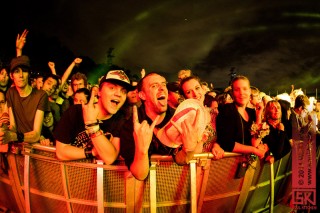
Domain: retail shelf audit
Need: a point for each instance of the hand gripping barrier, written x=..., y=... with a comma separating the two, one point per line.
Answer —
x=37, y=182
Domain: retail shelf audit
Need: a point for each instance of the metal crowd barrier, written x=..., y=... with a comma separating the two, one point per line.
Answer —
x=38, y=182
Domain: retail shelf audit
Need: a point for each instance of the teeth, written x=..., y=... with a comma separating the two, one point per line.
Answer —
x=115, y=101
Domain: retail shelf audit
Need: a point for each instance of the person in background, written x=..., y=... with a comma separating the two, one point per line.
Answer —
x=255, y=98
x=235, y=119
x=78, y=80
x=278, y=139
x=81, y=96
x=4, y=124
x=174, y=98
x=184, y=73
x=190, y=88
x=4, y=79
x=26, y=105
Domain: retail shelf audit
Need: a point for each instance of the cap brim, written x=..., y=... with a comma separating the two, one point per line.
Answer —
x=127, y=86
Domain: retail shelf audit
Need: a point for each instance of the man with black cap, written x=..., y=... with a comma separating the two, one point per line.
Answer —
x=92, y=130
x=26, y=105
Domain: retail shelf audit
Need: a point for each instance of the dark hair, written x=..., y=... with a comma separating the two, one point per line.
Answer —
x=285, y=106
x=208, y=99
x=301, y=101
x=79, y=76
x=55, y=77
x=184, y=80
x=85, y=91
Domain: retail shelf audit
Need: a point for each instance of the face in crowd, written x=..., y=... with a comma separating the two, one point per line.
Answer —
x=154, y=93
x=214, y=107
x=241, y=91
x=4, y=78
x=2, y=102
x=192, y=89
x=80, y=98
x=50, y=86
x=77, y=84
x=20, y=77
x=112, y=97
x=273, y=110
x=39, y=82
x=133, y=97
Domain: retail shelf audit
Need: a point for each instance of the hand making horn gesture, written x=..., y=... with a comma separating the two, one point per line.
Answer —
x=90, y=111
x=142, y=132
x=189, y=133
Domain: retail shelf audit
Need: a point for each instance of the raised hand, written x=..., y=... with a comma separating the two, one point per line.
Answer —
x=142, y=132
x=90, y=111
x=21, y=40
x=189, y=134
x=143, y=73
x=77, y=60
x=51, y=65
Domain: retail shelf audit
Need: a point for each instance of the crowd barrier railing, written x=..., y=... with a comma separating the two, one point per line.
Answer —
x=38, y=182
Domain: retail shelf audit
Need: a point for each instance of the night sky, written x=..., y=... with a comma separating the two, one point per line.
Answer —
x=274, y=43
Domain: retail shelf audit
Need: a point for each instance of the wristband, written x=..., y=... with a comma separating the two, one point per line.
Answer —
x=93, y=129
x=20, y=137
x=96, y=134
x=88, y=153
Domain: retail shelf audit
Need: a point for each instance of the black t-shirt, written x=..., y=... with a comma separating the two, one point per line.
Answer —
x=71, y=128
x=231, y=127
x=127, y=145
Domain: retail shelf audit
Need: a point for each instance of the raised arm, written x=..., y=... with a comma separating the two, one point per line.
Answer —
x=52, y=67
x=20, y=42
x=68, y=71
x=142, y=134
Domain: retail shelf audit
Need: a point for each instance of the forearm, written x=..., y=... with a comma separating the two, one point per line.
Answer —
x=18, y=52
x=67, y=73
x=68, y=152
x=106, y=149
x=29, y=137
x=140, y=166
x=241, y=148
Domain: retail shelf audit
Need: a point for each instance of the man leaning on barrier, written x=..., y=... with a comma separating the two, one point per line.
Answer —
x=151, y=116
x=92, y=130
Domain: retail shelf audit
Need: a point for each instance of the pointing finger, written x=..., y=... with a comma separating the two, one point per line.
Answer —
x=135, y=118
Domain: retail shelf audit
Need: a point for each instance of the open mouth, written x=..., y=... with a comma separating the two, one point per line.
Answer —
x=115, y=102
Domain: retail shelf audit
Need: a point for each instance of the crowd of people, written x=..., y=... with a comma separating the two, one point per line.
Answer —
x=135, y=118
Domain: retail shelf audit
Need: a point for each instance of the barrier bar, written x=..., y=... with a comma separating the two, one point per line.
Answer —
x=100, y=187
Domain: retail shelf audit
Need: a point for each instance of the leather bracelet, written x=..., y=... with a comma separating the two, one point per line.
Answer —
x=96, y=134
x=88, y=153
